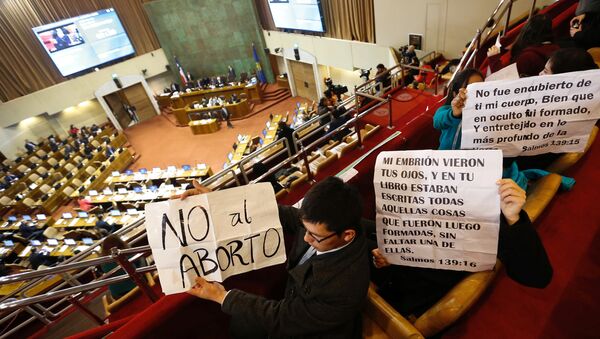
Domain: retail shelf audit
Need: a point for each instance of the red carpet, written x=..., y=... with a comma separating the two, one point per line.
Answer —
x=403, y=102
x=569, y=306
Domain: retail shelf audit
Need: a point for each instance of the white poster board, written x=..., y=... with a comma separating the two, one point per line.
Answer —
x=534, y=115
x=214, y=235
x=438, y=209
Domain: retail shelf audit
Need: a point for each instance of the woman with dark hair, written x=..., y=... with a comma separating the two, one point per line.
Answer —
x=562, y=61
x=119, y=289
x=448, y=119
x=569, y=60
x=531, y=49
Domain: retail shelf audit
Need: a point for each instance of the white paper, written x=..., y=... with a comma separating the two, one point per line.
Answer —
x=528, y=117
x=438, y=209
x=509, y=72
x=242, y=220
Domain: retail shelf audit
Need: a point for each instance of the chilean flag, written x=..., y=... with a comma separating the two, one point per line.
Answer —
x=181, y=73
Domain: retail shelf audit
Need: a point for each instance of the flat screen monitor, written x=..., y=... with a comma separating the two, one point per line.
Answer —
x=143, y=170
x=40, y=216
x=9, y=243
x=36, y=243
x=93, y=193
x=115, y=213
x=12, y=218
x=129, y=172
x=186, y=167
x=67, y=216
x=304, y=15
x=27, y=217
x=87, y=241
x=137, y=189
x=80, y=44
x=132, y=211
x=82, y=214
x=52, y=242
x=69, y=242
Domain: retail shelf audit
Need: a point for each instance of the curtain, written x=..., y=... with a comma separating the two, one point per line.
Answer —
x=349, y=19
x=24, y=65
x=264, y=14
x=344, y=19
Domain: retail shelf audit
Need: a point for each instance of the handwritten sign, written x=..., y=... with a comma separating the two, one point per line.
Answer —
x=535, y=115
x=214, y=235
x=438, y=209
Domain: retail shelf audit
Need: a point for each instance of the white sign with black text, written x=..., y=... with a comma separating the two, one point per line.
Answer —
x=214, y=235
x=534, y=115
x=438, y=209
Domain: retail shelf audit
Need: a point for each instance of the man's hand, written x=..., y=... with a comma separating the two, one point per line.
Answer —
x=512, y=200
x=378, y=259
x=459, y=102
x=198, y=189
x=208, y=290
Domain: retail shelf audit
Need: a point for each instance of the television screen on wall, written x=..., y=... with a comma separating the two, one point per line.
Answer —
x=83, y=43
x=305, y=15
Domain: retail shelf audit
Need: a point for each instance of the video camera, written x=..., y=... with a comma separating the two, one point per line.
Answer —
x=364, y=74
x=338, y=90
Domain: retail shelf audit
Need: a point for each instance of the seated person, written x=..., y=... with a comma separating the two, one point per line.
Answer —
x=73, y=131
x=519, y=249
x=40, y=258
x=30, y=146
x=338, y=120
x=448, y=120
x=562, y=61
x=327, y=267
x=381, y=78
x=109, y=151
x=29, y=231
x=325, y=106
x=586, y=25
x=9, y=178
x=104, y=227
x=53, y=144
x=119, y=289
x=531, y=49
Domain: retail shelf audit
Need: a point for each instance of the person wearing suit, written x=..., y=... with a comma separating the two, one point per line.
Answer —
x=30, y=146
x=328, y=273
x=109, y=152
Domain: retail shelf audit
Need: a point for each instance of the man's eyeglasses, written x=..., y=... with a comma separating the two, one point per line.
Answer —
x=317, y=239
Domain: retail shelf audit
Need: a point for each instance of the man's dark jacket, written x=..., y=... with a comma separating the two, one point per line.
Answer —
x=323, y=298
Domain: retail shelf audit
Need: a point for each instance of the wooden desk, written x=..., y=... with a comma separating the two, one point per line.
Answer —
x=283, y=82
x=240, y=150
x=90, y=221
x=253, y=93
x=200, y=171
x=132, y=196
x=204, y=126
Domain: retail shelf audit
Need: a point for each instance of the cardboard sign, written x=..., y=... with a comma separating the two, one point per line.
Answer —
x=214, y=235
x=438, y=209
x=530, y=116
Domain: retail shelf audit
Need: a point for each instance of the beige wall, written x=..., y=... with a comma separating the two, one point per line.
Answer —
x=39, y=127
x=446, y=25
x=70, y=93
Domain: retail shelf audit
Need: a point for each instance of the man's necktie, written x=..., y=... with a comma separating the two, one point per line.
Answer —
x=307, y=255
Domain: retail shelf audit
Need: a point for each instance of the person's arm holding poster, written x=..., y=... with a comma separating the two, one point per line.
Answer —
x=519, y=246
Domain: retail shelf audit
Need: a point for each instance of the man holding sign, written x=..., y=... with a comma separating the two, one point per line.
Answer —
x=328, y=272
x=438, y=215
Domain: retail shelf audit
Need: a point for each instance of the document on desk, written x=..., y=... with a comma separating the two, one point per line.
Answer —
x=63, y=248
x=73, y=222
x=25, y=252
